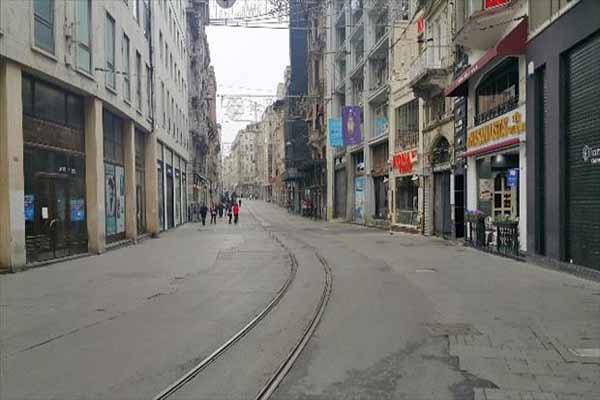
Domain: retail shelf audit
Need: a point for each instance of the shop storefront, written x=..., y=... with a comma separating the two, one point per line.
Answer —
x=340, y=188
x=563, y=134
x=442, y=211
x=495, y=158
x=140, y=181
x=358, y=214
x=380, y=176
x=114, y=177
x=406, y=205
x=54, y=171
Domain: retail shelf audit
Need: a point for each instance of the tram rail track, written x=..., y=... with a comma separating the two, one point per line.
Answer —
x=271, y=385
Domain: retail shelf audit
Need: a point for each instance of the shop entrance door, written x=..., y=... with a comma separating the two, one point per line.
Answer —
x=170, y=188
x=52, y=222
x=442, y=220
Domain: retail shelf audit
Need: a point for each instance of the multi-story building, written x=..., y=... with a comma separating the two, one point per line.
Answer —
x=491, y=76
x=204, y=130
x=405, y=149
x=243, y=171
x=358, y=79
x=563, y=131
x=78, y=148
x=315, y=187
x=170, y=95
x=95, y=130
x=428, y=75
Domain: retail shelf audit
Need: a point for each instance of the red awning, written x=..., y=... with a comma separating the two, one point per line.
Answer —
x=512, y=44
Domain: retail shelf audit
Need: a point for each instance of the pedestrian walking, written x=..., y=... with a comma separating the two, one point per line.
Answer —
x=240, y=202
x=229, y=213
x=220, y=210
x=203, y=212
x=236, y=213
x=213, y=215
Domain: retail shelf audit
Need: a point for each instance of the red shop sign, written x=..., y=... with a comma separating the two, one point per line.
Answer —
x=495, y=3
x=404, y=161
x=420, y=25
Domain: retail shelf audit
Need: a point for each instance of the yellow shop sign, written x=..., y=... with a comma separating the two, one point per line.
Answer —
x=496, y=130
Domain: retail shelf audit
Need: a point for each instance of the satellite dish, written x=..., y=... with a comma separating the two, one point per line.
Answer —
x=226, y=3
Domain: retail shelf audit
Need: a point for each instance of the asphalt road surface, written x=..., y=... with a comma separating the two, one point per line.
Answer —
x=408, y=317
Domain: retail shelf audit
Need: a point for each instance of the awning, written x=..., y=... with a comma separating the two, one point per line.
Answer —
x=512, y=44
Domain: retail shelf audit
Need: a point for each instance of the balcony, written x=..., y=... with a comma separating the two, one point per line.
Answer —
x=509, y=105
x=480, y=24
x=429, y=75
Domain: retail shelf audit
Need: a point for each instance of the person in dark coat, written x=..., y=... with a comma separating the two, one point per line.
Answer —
x=213, y=214
x=203, y=212
x=229, y=213
x=220, y=210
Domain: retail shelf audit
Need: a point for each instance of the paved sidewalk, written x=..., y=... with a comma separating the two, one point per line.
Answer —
x=127, y=323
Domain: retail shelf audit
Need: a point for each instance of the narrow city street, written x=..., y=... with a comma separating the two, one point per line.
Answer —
x=408, y=317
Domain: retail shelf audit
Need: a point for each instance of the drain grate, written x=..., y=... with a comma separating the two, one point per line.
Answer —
x=439, y=329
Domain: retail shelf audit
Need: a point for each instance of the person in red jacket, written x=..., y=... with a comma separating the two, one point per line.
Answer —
x=236, y=212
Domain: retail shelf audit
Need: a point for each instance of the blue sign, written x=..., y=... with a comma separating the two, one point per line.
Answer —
x=512, y=179
x=334, y=127
x=29, y=207
x=77, y=210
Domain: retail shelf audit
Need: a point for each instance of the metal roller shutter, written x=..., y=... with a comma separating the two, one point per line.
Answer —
x=583, y=153
x=340, y=193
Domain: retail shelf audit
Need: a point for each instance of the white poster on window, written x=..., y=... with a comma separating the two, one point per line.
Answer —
x=120, y=180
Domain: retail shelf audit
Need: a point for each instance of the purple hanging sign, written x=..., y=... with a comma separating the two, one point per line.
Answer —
x=351, y=125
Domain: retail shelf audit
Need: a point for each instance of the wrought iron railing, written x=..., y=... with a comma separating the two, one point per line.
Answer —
x=501, y=238
x=406, y=140
x=500, y=109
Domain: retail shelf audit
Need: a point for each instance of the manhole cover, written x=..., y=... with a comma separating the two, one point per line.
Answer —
x=438, y=329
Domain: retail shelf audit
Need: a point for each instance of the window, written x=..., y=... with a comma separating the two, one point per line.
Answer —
x=146, y=19
x=49, y=103
x=407, y=125
x=43, y=11
x=138, y=85
x=126, y=69
x=166, y=55
x=160, y=44
x=162, y=104
x=498, y=92
x=136, y=10
x=435, y=109
x=149, y=91
x=109, y=49
x=84, y=22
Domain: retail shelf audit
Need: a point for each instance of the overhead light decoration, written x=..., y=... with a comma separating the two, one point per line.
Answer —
x=226, y=3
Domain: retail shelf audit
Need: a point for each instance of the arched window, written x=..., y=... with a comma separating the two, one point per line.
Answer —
x=440, y=153
x=498, y=92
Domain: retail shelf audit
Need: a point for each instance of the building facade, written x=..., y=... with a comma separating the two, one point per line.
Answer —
x=170, y=46
x=358, y=79
x=77, y=132
x=493, y=82
x=94, y=117
x=563, y=132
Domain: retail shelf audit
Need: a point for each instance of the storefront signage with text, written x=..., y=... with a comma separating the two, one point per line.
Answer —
x=404, y=161
x=510, y=125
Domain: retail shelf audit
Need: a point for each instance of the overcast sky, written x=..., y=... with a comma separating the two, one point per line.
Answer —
x=246, y=61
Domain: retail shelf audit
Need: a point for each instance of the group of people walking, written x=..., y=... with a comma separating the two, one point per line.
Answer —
x=231, y=209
